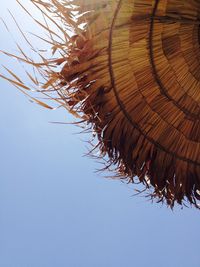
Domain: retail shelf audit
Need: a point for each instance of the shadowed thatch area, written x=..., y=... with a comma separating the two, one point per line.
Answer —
x=129, y=68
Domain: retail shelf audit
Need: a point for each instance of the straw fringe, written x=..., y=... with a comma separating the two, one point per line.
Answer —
x=128, y=71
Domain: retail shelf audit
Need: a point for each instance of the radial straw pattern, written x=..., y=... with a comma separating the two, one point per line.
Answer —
x=131, y=68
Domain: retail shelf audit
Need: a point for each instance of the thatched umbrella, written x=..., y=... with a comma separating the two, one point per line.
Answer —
x=131, y=68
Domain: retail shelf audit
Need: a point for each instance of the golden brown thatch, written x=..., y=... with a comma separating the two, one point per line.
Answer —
x=132, y=69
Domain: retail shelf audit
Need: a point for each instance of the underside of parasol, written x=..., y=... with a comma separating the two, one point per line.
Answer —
x=131, y=69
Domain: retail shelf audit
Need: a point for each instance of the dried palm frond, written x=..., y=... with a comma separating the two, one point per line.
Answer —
x=131, y=69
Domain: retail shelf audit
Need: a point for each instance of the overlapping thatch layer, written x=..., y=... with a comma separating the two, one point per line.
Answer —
x=132, y=68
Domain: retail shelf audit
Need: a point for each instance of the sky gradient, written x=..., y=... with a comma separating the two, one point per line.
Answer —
x=56, y=211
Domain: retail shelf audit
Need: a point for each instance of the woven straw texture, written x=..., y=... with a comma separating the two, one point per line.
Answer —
x=133, y=69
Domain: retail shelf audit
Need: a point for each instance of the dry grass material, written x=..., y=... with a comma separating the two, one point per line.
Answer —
x=131, y=69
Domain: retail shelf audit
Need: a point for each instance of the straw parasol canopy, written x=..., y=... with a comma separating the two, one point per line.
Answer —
x=131, y=69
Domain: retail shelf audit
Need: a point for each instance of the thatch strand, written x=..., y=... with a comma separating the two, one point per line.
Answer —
x=130, y=68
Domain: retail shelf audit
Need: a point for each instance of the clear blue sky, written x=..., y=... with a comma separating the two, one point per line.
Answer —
x=56, y=211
